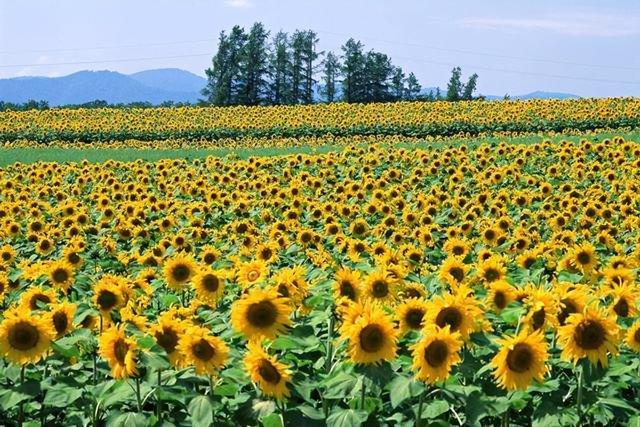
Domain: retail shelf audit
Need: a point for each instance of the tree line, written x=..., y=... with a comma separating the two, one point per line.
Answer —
x=252, y=68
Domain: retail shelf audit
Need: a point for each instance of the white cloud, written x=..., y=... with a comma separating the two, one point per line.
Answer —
x=238, y=3
x=580, y=25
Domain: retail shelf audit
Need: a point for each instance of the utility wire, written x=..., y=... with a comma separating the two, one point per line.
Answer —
x=77, y=49
x=149, y=58
x=494, y=55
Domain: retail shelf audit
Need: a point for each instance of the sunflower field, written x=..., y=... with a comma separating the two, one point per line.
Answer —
x=377, y=284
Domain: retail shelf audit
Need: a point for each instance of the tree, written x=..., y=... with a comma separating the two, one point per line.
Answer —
x=377, y=74
x=353, y=64
x=309, y=56
x=397, y=84
x=413, y=88
x=470, y=87
x=252, y=83
x=455, y=87
x=280, y=87
x=222, y=77
x=331, y=68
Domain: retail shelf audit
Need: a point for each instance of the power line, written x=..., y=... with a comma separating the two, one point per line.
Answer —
x=528, y=73
x=76, y=49
x=494, y=55
x=149, y=58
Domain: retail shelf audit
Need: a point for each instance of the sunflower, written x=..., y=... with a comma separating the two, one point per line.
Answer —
x=36, y=297
x=167, y=332
x=588, y=334
x=372, y=338
x=205, y=352
x=60, y=274
x=632, y=337
x=500, y=294
x=61, y=317
x=623, y=300
x=209, y=255
x=520, y=360
x=491, y=270
x=458, y=311
x=107, y=295
x=380, y=286
x=542, y=307
x=252, y=273
x=453, y=271
x=209, y=285
x=347, y=284
x=119, y=351
x=410, y=314
x=457, y=247
x=178, y=271
x=271, y=375
x=24, y=338
x=436, y=353
x=572, y=297
x=583, y=257
x=261, y=313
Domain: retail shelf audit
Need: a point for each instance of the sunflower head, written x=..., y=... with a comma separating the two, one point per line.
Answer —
x=119, y=351
x=520, y=360
x=252, y=273
x=209, y=285
x=178, y=271
x=261, y=313
x=436, y=353
x=24, y=338
x=372, y=337
x=410, y=314
x=205, y=352
x=267, y=372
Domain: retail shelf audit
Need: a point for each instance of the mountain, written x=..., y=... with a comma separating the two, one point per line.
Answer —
x=538, y=95
x=153, y=86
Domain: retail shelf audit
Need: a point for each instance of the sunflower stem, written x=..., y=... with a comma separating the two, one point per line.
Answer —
x=95, y=368
x=419, y=414
x=580, y=386
x=138, y=399
x=329, y=359
x=283, y=411
x=505, y=418
x=21, y=407
x=211, y=386
x=362, y=393
x=158, y=401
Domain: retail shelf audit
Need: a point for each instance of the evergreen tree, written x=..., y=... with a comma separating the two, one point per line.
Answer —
x=397, y=84
x=331, y=68
x=470, y=87
x=309, y=58
x=413, y=88
x=353, y=64
x=455, y=87
x=377, y=74
x=252, y=83
x=222, y=86
x=280, y=87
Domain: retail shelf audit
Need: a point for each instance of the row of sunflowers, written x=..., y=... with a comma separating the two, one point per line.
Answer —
x=420, y=119
x=463, y=285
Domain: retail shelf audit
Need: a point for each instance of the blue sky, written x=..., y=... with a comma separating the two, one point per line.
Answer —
x=586, y=47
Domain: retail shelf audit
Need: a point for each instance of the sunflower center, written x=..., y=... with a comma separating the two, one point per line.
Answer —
x=253, y=275
x=181, y=272
x=589, y=335
x=209, y=258
x=449, y=316
x=500, y=300
x=371, y=338
x=621, y=308
x=380, y=289
x=73, y=258
x=457, y=273
x=538, y=318
x=60, y=322
x=636, y=336
x=458, y=250
x=268, y=372
x=60, y=275
x=436, y=353
x=107, y=300
x=120, y=349
x=491, y=274
x=267, y=253
x=23, y=336
x=167, y=339
x=347, y=290
x=211, y=282
x=414, y=318
x=569, y=307
x=583, y=258
x=283, y=290
x=412, y=293
x=520, y=358
x=262, y=314
x=203, y=350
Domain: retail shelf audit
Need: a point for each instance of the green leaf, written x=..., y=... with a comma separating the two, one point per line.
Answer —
x=341, y=384
x=346, y=418
x=402, y=388
x=155, y=360
x=61, y=397
x=272, y=420
x=616, y=403
x=435, y=409
x=565, y=276
x=23, y=392
x=228, y=389
x=475, y=408
x=311, y=412
x=201, y=411
x=128, y=419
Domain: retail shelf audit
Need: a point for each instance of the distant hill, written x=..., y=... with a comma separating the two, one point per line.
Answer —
x=153, y=86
